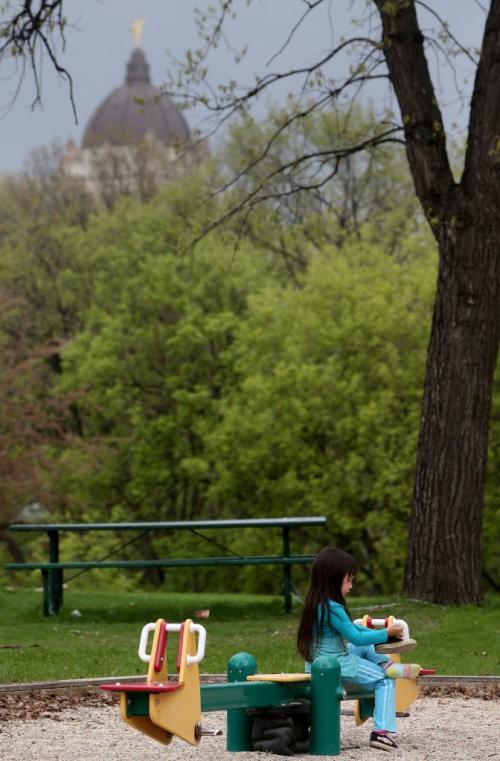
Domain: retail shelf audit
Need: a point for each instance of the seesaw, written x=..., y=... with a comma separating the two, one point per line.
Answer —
x=163, y=708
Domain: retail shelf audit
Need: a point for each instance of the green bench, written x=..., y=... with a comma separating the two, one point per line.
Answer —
x=53, y=569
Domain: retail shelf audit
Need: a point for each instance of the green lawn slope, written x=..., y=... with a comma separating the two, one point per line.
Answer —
x=103, y=640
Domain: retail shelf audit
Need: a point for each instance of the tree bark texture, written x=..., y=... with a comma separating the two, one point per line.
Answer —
x=444, y=544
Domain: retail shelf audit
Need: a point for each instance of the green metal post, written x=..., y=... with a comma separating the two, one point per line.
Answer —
x=366, y=707
x=46, y=592
x=326, y=693
x=239, y=723
x=287, y=570
x=55, y=581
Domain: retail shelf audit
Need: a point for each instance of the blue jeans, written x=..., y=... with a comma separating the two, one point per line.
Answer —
x=372, y=677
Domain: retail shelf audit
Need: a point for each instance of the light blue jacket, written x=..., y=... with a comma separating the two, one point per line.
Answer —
x=337, y=631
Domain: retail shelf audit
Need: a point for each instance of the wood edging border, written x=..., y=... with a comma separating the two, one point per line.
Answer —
x=85, y=684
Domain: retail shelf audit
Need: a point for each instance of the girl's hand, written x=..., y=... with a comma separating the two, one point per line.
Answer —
x=395, y=630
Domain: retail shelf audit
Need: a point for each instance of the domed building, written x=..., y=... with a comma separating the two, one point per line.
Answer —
x=134, y=110
x=135, y=141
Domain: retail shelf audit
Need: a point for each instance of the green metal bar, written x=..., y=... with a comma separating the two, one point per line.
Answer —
x=46, y=593
x=235, y=695
x=316, y=520
x=165, y=563
x=287, y=571
x=137, y=704
x=359, y=695
x=239, y=723
x=326, y=694
x=366, y=707
x=355, y=692
x=55, y=586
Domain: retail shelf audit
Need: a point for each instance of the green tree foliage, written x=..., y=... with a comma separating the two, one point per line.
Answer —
x=207, y=388
x=323, y=417
x=152, y=362
x=31, y=423
x=142, y=383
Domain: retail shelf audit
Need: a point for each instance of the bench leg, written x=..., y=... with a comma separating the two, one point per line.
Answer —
x=55, y=587
x=326, y=692
x=46, y=593
x=287, y=571
x=52, y=582
x=287, y=587
x=239, y=723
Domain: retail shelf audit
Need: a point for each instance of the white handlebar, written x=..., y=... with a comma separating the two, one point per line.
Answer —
x=202, y=638
x=379, y=623
x=143, y=642
x=198, y=628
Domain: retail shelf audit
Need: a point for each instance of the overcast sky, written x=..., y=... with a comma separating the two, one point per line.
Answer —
x=99, y=43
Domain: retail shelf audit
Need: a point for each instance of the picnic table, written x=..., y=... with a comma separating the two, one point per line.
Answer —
x=53, y=569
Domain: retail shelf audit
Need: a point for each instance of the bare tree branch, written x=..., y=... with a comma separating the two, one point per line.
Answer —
x=216, y=32
x=233, y=104
x=310, y=7
x=422, y=119
x=259, y=195
x=446, y=28
x=483, y=147
x=28, y=35
x=288, y=122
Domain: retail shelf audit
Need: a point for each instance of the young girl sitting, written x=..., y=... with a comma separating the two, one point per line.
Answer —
x=326, y=629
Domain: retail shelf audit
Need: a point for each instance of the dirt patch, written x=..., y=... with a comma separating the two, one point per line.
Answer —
x=482, y=691
x=36, y=705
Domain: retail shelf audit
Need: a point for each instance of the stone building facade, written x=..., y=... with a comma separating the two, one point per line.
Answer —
x=135, y=141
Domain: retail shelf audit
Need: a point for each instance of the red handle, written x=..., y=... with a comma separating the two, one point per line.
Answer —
x=160, y=650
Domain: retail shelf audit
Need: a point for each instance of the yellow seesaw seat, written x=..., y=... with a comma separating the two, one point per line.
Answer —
x=174, y=706
x=299, y=677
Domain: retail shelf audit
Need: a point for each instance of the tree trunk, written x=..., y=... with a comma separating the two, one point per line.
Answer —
x=12, y=546
x=444, y=546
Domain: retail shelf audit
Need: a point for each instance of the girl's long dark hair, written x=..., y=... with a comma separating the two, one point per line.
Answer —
x=328, y=571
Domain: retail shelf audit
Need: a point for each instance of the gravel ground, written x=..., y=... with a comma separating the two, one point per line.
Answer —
x=439, y=728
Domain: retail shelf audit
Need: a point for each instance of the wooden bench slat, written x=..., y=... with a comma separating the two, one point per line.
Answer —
x=163, y=563
x=292, y=522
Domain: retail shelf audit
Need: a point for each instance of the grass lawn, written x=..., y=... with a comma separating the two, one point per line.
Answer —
x=104, y=640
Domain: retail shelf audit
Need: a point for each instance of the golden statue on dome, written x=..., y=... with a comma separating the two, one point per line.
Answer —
x=136, y=28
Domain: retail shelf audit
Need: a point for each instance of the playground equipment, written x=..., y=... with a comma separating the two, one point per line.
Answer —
x=162, y=708
x=406, y=645
x=173, y=707
x=383, y=623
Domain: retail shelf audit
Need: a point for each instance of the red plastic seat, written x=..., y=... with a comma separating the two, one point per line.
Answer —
x=142, y=686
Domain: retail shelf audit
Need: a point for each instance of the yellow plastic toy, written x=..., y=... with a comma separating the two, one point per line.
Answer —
x=280, y=678
x=174, y=706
